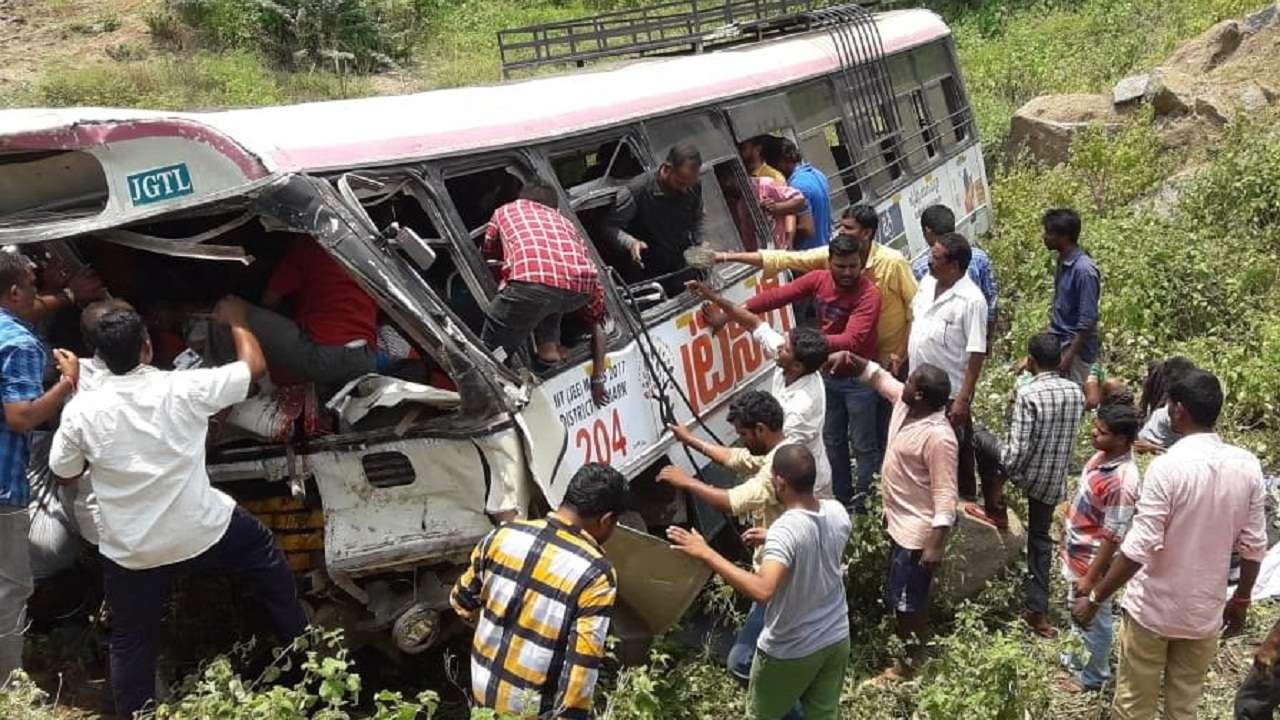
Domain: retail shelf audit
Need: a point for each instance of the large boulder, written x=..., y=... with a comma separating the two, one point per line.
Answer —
x=1046, y=125
x=1172, y=93
x=977, y=552
x=1208, y=51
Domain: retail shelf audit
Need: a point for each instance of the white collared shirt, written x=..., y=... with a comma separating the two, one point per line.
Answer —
x=804, y=408
x=945, y=329
x=144, y=435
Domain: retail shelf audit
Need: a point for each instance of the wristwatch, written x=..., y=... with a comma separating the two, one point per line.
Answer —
x=1093, y=598
x=69, y=295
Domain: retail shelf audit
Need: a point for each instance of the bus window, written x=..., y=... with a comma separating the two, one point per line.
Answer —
x=845, y=189
x=443, y=275
x=476, y=195
x=697, y=129
x=813, y=105
x=729, y=224
x=883, y=165
x=956, y=108
x=919, y=139
x=591, y=176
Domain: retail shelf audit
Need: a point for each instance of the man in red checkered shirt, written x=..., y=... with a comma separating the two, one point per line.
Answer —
x=546, y=273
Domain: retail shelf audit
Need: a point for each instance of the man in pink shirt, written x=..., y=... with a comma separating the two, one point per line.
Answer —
x=918, y=482
x=1200, y=501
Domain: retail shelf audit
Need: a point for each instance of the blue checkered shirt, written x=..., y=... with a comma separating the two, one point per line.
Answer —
x=22, y=359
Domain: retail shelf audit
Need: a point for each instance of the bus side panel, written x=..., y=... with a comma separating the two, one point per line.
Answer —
x=628, y=432
x=960, y=183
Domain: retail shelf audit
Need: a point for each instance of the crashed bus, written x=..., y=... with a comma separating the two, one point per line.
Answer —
x=379, y=492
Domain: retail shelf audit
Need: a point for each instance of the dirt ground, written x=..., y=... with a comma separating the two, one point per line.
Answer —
x=36, y=34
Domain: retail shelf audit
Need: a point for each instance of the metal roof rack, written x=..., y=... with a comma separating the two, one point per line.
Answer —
x=668, y=28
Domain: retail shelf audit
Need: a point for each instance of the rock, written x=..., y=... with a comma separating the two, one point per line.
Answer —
x=1215, y=108
x=1163, y=202
x=1172, y=93
x=1264, y=18
x=1130, y=89
x=1255, y=98
x=1207, y=51
x=977, y=552
x=1046, y=125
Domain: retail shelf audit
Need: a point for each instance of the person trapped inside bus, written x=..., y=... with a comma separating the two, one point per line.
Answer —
x=546, y=273
x=1094, y=527
x=143, y=431
x=657, y=216
x=811, y=183
x=1201, y=501
x=918, y=483
x=27, y=405
x=786, y=209
x=332, y=336
x=751, y=151
x=1035, y=456
x=540, y=595
x=803, y=649
x=938, y=221
x=1077, y=285
x=848, y=306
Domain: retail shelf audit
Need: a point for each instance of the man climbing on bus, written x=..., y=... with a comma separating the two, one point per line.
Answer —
x=546, y=273
x=657, y=216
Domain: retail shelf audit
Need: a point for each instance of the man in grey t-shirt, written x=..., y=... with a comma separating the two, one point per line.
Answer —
x=804, y=649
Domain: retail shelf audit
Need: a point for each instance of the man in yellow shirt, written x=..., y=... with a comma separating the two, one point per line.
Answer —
x=751, y=151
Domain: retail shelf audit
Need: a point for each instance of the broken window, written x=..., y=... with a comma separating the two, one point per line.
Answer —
x=477, y=195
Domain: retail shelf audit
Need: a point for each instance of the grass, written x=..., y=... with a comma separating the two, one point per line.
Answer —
x=195, y=82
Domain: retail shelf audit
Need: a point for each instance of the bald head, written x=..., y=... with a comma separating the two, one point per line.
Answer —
x=93, y=314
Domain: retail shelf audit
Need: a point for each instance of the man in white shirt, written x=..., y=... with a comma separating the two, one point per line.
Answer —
x=797, y=381
x=143, y=431
x=949, y=331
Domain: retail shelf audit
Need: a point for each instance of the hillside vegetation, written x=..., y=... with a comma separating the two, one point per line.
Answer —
x=1199, y=279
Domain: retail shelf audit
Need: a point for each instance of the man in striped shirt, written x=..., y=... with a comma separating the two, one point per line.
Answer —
x=540, y=594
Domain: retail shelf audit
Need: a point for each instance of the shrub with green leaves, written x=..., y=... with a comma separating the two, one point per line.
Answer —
x=344, y=35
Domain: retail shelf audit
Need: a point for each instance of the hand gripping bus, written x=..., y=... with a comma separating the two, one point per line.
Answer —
x=378, y=494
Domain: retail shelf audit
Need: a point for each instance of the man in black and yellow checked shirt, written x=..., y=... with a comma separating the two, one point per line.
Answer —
x=540, y=594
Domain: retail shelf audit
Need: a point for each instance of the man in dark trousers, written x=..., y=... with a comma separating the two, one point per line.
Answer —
x=1077, y=284
x=143, y=431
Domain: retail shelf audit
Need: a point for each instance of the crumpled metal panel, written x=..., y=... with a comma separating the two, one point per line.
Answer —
x=437, y=518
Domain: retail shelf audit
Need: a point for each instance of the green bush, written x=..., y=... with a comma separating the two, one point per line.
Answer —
x=345, y=35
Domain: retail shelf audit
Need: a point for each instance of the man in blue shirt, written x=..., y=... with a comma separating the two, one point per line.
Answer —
x=26, y=406
x=938, y=220
x=1077, y=285
x=811, y=183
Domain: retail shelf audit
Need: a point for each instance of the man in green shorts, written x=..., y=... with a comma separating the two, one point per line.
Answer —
x=804, y=649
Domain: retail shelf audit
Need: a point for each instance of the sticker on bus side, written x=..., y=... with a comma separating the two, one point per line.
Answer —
x=160, y=184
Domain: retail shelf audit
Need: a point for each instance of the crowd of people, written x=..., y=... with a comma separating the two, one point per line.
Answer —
x=872, y=395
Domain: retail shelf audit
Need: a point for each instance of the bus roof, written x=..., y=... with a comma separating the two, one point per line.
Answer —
x=384, y=130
